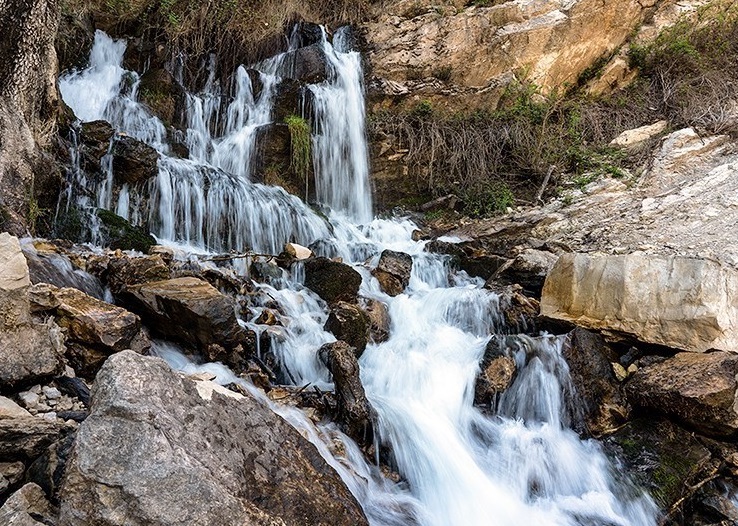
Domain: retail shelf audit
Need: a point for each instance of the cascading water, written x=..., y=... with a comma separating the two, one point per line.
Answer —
x=522, y=465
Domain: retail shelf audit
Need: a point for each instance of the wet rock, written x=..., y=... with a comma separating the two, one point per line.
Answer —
x=354, y=410
x=393, y=271
x=379, y=320
x=307, y=64
x=678, y=302
x=133, y=161
x=163, y=95
x=126, y=271
x=528, y=269
x=28, y=507
x=291, y=97
x=497, y=371
x=331, y=280
x=263, y=271
x=589, y=357
x=303, y=34
x=187, y=310
x=94, y=143
x=233, y=457
x=518, y=311
x=658, y=456
x=117, y=233
x=349, y=322
x=697, y=389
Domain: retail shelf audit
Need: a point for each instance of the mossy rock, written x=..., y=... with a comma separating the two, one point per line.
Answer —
x=658, y=456
x=117, y=233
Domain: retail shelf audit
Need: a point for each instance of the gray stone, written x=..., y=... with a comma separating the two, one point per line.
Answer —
x=14, y=283
x=160, y=452
x=30, y=353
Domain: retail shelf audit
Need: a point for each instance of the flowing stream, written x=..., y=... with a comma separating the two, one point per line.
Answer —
x=519, y=463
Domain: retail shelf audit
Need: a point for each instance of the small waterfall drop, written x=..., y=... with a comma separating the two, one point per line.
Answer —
x=460, y=467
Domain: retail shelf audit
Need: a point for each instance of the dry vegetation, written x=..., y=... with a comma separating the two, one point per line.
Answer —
x=492, y=159
x=239, y=31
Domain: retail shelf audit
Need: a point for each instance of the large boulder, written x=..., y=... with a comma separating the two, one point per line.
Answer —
x=133, y=160
x=589, y=358
x=677, y=302
x=125, y=271
x=94, y=329
x=29, y=351
x=189, y=310
x=118, y=233
x=698, y=389
x=331, y=280
x=307, y=64
x=172, y=451
x=26, y=438
x=393, y=271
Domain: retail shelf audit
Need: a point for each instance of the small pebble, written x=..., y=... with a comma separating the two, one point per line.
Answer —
x=29, y=399
x=51, y=416
x=52, y=393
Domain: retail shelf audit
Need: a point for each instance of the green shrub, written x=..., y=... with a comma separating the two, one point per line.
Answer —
x=300, y=147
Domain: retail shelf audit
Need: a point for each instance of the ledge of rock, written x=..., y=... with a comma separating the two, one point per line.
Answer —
x=188, y=310
x=698, y=389
x=159, y=452
x=678, y=302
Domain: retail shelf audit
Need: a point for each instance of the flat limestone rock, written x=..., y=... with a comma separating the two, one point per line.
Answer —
x=685, y=303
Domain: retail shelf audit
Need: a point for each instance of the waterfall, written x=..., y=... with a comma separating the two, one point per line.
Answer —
x=460, y=466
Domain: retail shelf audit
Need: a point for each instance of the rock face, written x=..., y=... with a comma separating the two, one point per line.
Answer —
x=425, y=48
x=331, y=280
x=188, y=310
x=698, y=389
x=677, y=302
x=393, y=271
x=28, y=103
x=589, y=358
x=29, y=351
x=170, y=451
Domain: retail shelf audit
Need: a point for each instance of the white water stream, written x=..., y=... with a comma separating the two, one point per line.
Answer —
x=521, y=466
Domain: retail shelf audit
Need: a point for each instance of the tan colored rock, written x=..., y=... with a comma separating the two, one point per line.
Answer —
x=553, y=41
x=393, y=271
x=678, y=302
x=297, y=251
x=29, y=354
x=9, y=409
x=14, y=283
x=698, y=389
x=615, y=75
x=25, y=506
x=630, y=138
